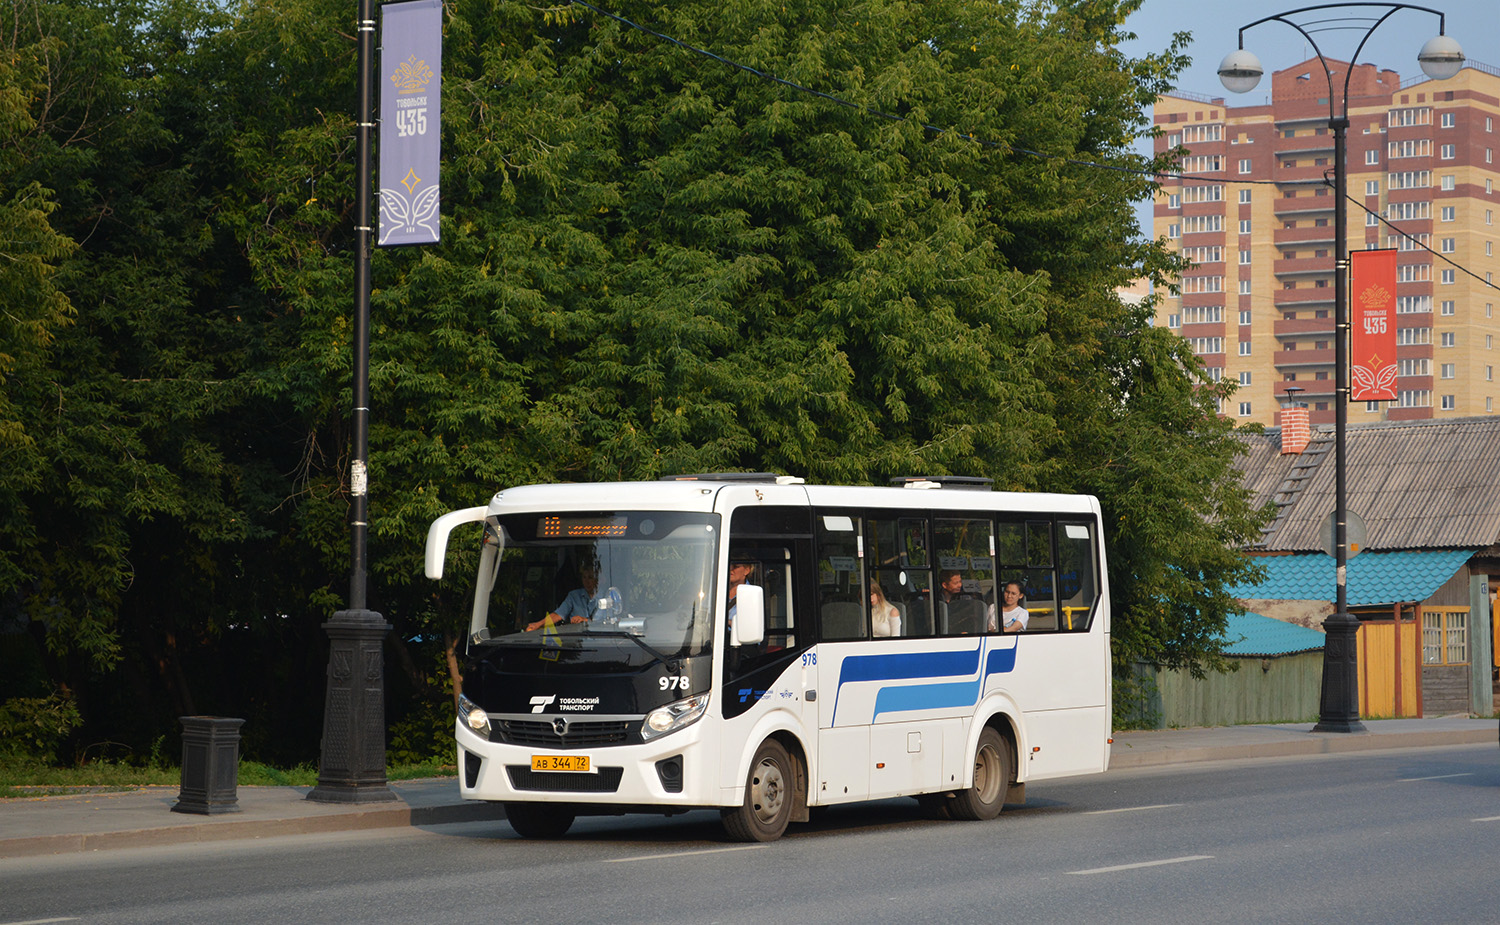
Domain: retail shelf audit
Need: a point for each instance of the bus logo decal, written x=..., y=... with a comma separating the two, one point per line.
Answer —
x=540, y=701
x=926, y=697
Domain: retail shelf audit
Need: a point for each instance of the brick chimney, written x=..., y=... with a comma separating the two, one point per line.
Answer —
x=1296, y=432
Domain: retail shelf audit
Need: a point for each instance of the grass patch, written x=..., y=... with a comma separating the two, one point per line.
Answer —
x=20, y=778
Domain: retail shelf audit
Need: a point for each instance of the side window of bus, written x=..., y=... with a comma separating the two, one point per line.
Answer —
x=966, y=575
x=841, y=593
x=1024, y=550
x=1078, y=585
x=896, y=556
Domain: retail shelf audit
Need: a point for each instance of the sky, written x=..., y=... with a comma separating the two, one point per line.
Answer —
x=1215, y=24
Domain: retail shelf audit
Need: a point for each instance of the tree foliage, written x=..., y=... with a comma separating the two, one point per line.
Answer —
x=653, y=260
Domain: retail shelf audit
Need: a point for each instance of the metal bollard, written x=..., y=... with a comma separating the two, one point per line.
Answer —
x=210, y=765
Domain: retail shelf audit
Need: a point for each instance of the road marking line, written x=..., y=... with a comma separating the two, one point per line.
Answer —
x=680, y=854
x=1407, y=780
x=1488, y=819
x=42, y=921
x=1128, y=809
x=1110, y=870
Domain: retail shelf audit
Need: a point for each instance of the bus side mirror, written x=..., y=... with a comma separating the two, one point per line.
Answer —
x=437, y=536
x=749, y=616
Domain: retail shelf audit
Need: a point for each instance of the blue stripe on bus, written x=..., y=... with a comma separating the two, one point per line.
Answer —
x=926, y=697
x=907, y=665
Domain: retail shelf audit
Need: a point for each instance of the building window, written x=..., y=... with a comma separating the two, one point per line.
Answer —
x=1447, y=181
x=1489, y=155
x=1372, y=156
x=1489, y=216
x=1371, y=219
x=1489, y=248
x=1174, y=321
x=1244, y=287
x=1244, y=226
x=1447, y=245
x=1244, y=195
x=1244, y=409
x=1489, y=374
x=1447, y=370
x=1448, y=403
x=1174, y=231
x=1245, y=378
x=1245, y=165
x=1244, y=348
x=1448, y=277
x=1447, y=306
x=1447, y=213
x=1447, y=120
x=1372, y=187
x=1372, y=406
x=1447, y=338
x=1174, y=200
x=1244, y=258
x=1320, y=377
x=1445, y=636
x=1446, y=152
x=1244, y=316
x=1414, y=398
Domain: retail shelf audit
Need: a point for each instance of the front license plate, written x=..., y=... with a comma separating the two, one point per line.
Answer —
x=571, y=763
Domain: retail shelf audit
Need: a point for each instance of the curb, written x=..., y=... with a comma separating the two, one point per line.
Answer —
x=1314, y=744
x=183, y=833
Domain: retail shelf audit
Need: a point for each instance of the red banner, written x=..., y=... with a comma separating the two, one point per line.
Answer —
x=1372, y=325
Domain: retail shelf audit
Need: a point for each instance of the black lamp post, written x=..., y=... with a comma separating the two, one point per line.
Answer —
x=351, y=763
x=1441, y=58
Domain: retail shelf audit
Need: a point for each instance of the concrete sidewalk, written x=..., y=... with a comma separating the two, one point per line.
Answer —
x=31, y=827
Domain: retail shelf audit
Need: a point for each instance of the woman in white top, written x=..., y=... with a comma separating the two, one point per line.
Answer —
x=885, y=619
x=1013, y=616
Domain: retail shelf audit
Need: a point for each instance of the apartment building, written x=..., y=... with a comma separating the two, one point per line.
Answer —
x=1254, y=211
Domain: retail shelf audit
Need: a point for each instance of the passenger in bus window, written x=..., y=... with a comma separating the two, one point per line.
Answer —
x=578, y=606
x=951, y=586
x=1013, y=616
x=885, y=619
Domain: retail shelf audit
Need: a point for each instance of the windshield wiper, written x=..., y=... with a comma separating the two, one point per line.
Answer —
x=671, y=663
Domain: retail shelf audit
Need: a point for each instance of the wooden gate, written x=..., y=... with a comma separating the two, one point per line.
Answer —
x=1390, y=667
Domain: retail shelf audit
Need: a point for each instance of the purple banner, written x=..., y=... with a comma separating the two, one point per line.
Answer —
x=411, y=64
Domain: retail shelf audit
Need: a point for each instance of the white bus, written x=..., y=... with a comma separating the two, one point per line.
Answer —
x=725, y=654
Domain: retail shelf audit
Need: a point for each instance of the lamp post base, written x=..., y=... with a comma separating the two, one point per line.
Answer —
x=351, y=768
x=1338, y=708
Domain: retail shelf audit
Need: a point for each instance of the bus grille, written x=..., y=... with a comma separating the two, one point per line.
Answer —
x=580, y=735
x=605, y=780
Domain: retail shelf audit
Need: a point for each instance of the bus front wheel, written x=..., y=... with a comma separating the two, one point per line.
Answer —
x=539, y=820
x=992, y=776
x=770, y=792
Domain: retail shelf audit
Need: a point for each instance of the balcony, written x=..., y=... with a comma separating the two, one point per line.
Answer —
x=1302, y=297
x=1312, y=389
x=1299, y=205
x=1303, y=266
x=1304, y=145
x=1303, y=327
x=1291, y=359
x=1308, y=235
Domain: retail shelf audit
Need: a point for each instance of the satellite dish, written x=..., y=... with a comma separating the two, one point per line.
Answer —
x=1354, y=535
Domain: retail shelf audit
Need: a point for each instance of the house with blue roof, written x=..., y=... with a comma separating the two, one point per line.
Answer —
x=1423, y=581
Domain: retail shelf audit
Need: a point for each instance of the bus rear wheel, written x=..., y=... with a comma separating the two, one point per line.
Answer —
x=539, y=820
x=770, y=792
x=992, y=777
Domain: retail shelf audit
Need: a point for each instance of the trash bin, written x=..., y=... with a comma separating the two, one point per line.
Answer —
x=210, y=765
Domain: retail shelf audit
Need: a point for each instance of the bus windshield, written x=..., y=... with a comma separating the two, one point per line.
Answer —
x=641, y=574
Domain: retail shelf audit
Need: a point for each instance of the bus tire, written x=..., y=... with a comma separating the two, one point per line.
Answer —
x=992, y=776
x=539, y=820
x=770, y=792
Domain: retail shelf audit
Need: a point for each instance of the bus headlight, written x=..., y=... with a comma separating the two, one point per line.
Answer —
x=470, y=715
x=673, y=717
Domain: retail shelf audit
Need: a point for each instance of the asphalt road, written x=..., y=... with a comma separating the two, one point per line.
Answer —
x=1409, y=835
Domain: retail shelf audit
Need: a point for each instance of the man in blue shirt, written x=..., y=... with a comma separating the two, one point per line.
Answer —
x=578, y=606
